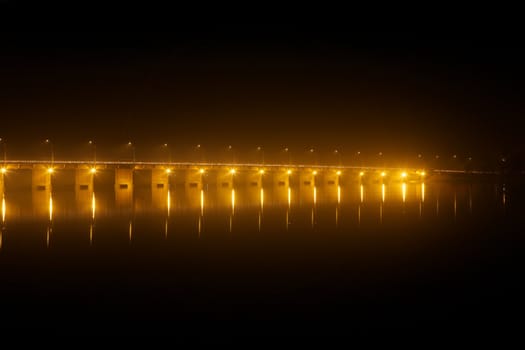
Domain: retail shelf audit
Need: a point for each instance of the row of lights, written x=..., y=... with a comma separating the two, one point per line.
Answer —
x=259, y=148
x=314, y=172
x=233, y=171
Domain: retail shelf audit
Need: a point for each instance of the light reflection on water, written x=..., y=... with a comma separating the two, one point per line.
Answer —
x=342, y=208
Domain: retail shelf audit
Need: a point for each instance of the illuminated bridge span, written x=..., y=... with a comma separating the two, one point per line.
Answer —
x=162, y=175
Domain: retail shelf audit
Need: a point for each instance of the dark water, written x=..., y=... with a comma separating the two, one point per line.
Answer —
x=300, y=262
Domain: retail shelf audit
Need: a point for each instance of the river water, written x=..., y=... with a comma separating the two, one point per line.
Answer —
x=302, y=261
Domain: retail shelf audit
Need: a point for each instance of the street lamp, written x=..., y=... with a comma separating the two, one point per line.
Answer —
x=4, y=149
x=132, y=146
x=94, y=146
x=259, y=149
x=289, y=155
x=358, y=157
x=230, y=150
x=48, y=142
x=168, y=149
x=338, y=154
x=198, y=150
x=314, y=155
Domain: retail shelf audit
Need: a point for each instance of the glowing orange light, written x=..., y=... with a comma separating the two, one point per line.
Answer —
x=261, y=171
x=289, y=172
x=403, y=174
x=202, y=202
x=50, y=170
x=362, y=173
x=232, y=171
x=201, y=171
x=314, y=172
x=93, y=203
x=50, y=208
x=168, y=202
x=93, y=170
x=3, y=209
x=3, y=170
x=383, y=174
x=168, y=171
x=338, y=172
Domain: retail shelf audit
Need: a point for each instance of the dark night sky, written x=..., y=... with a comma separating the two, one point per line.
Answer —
x=273, y=85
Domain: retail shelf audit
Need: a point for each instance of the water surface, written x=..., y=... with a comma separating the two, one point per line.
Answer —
x=303, y=260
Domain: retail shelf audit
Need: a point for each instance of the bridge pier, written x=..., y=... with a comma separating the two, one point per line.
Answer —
x=226, y=179
x=193, y=178
x=123, y=179
x=2, y=184
x=160, y=186
x=328, y=178
x=84, y=180
x=307, y=178
x=281, y=178
x=160, y=179
x=123, y=187
x=253, y=178
x=41, y=178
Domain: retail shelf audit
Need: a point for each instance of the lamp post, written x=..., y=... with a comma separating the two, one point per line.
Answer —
x=287, y=151
x=94, y=147
x=314, y=155
x=168, y=149
x=198, y=150
x=230, y=150
x=4, y=150
x=261, y=150
x=338, y=154
x=132, y=146
x=48, y=142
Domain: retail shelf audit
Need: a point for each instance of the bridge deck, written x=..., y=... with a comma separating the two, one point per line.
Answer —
x=73, y=164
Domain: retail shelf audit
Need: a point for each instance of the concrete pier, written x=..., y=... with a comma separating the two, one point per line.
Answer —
x=123, y=186
x=194, y=178
x=328, y=178
x=2, y=184
x=123, y=179
x=226, y=179
x=41, y=178
x=160, y=186
x=308, y=178
x=160, y=179
x=84, y=180
x=253, y=178
x=280, y=178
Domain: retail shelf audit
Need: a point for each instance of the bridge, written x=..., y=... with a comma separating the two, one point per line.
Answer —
x=198, y=174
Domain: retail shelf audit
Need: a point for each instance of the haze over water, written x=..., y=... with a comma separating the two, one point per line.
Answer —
x=276, y=260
